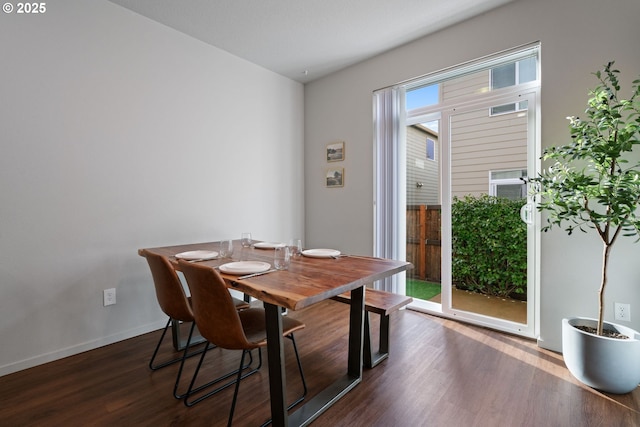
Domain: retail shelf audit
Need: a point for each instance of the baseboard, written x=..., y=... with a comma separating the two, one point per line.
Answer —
x=550, y=345
x=80, y=348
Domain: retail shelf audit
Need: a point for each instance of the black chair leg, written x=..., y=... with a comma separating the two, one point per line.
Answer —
x=177, y=359
x=304, y=383
x=240, y=372
x=184, y=357
x=235, y=393
x=155, y=352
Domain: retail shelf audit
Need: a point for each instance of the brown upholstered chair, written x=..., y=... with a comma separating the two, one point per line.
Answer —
x=221, y=324
x=175, y=304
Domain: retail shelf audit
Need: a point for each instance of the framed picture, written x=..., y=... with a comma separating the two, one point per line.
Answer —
x=335, y=177
x=335, y=152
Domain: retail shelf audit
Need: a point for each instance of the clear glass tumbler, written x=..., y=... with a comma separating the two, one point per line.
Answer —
x=282, y=258
x=245, y=240
x=295, y=246
x=226, y=248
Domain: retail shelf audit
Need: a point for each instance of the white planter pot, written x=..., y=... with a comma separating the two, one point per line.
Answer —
x=607, y=364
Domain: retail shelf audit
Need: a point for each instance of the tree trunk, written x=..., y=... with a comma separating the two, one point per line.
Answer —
x=603, y=283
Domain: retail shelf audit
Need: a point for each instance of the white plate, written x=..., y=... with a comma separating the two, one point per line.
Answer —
x=321, y=253
x=203, y=255
x=268, y=245
x=245, y=267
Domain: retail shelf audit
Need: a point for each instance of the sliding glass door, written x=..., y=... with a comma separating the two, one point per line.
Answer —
x=465, y=143
x=489, y=239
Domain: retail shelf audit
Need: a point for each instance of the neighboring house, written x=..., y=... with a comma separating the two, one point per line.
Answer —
x=489, y=149
x=488, y=154
x=423, y=166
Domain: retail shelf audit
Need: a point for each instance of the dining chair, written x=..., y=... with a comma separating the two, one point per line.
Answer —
x=227, y=328
x=174, y=303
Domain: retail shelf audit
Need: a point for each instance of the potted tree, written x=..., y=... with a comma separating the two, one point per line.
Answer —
x=593, y=184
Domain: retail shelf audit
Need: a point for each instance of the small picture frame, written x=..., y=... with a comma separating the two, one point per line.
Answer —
x=335, y=152
x=335, y=177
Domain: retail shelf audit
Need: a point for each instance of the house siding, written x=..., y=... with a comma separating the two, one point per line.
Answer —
x=420, y=169
x=483, y=143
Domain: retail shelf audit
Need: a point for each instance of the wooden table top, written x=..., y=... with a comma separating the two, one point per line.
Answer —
x=306, y=282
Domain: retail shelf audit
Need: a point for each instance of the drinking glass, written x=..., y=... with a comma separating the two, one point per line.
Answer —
x=226, y=248
x=295, y=246
x=282, y=258
x=245, y=240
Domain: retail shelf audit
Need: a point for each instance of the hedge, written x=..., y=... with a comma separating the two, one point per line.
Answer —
x=489, y=246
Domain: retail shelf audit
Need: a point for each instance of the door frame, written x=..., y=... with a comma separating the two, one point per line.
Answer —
x=390, y=121
x=530, y=329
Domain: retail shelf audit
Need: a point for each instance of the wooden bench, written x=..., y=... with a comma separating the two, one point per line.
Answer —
x=382, y=303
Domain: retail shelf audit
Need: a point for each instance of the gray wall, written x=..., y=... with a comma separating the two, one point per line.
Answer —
x=119, y=133
x=578, y=37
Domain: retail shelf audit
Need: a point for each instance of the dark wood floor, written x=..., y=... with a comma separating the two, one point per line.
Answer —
x=440, y=373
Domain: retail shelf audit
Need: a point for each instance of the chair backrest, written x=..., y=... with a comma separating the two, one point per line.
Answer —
x=215, y=313
x=169, y=291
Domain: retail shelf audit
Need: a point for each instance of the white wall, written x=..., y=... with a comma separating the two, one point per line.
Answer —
x=578, y=37
x=119, y=133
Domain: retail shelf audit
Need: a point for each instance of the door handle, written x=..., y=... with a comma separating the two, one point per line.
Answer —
x=526, y=213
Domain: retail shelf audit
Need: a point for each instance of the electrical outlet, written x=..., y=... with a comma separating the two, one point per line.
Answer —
x=622, y=311
x=109, y=296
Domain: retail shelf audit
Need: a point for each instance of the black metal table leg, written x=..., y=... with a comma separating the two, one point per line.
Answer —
x=314, y=407
x=275, y=352
x=356, y=331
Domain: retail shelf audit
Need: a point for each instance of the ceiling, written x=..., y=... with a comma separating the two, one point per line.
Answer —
x=307, y=39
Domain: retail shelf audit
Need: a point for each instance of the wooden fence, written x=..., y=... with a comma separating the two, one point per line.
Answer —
x=423, y=242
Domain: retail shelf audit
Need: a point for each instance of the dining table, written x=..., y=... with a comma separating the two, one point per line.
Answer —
x=307, y=281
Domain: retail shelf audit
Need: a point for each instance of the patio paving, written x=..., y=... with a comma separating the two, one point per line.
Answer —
x=502, y=308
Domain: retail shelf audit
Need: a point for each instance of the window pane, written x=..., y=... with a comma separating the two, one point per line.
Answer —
x=422, y=97
x=527, y=70
x=513, y=192
x=431, y=149
x=508, y=108
x=503, y=76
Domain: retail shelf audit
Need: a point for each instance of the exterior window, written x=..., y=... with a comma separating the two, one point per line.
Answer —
x=508, y=184
x=431, y=149
x=423, y=96
x=512, y=74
